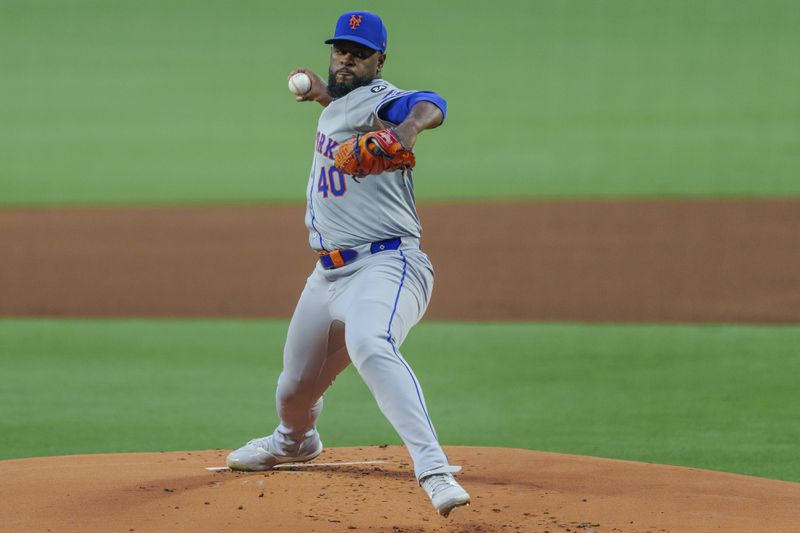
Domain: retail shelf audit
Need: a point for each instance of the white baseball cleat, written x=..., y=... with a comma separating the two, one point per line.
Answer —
x=444, y=491
x=263, y=454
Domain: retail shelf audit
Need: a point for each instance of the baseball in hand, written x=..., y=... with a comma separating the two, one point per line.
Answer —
x=300, y=83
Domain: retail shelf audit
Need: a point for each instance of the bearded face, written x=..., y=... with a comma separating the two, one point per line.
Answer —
x=341, y=85
x=352, y=65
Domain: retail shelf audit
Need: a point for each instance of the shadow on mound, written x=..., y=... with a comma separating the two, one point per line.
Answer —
x=513, y=490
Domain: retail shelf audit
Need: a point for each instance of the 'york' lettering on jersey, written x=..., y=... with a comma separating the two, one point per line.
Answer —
x=322, y=148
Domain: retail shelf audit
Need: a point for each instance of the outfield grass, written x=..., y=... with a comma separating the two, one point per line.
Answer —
x=149, y=101
x=719, y=397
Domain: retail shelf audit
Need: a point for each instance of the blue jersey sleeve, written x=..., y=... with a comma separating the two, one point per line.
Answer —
x=397, y=109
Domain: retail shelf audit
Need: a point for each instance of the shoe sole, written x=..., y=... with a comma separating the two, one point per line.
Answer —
x=445, y=510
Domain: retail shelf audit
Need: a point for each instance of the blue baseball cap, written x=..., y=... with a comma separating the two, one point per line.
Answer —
x=361, y=27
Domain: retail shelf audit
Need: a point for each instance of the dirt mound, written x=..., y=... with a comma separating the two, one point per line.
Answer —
x=512, y=490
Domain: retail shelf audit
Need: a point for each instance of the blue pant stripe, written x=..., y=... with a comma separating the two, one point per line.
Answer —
x=399, y=357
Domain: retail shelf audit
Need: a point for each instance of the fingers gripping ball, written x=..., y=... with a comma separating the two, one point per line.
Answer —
x=300, y=84
x=374, y=153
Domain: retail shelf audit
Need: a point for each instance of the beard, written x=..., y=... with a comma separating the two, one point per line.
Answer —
x=341, y=88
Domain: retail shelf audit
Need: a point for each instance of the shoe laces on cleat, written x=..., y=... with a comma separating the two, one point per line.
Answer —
x=438, y=482
x=260, y=442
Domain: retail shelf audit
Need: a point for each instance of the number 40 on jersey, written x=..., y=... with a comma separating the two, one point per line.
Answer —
x=331, y=180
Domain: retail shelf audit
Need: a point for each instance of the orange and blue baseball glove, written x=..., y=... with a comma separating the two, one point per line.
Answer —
x=374, y=153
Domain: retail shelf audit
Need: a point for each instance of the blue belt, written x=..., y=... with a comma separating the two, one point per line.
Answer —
x=339, y=258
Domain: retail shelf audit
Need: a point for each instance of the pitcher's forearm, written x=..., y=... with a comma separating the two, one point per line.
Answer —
x=423, y=116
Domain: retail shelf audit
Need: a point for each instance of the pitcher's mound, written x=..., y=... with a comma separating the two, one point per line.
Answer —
x=512, y=490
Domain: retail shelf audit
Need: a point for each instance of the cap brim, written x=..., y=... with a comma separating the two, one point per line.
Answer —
x=355, y=39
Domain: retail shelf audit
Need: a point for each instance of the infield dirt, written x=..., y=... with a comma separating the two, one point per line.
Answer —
x=512, y=490
x=607, y=261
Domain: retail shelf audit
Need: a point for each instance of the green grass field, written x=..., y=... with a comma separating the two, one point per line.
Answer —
x=708, y=396
x=173, y=102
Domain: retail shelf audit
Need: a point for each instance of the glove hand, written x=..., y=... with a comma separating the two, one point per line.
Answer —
x=374, y=153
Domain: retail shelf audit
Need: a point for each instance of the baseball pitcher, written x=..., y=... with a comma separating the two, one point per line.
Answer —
x=371, y=283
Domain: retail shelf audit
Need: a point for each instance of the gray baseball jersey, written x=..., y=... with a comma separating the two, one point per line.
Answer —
x=343, y=211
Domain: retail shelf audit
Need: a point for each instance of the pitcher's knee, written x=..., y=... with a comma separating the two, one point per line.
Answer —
x=365, y=347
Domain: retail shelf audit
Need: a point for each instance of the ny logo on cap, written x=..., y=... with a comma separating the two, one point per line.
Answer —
x=355, y=22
